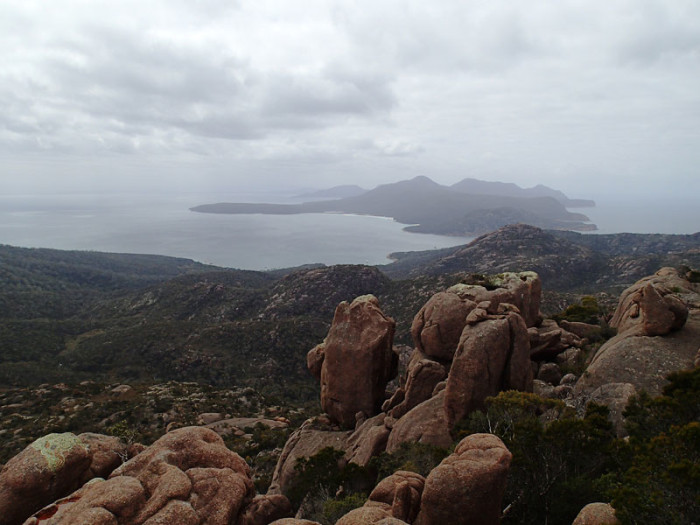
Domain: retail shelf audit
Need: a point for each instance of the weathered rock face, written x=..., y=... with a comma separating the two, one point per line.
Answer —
x=188, y=476
x=52, y=467
x=368, y=440
x=437, y=327
x=467, y=486
x=264, y=509
x=358, y=360
x=422, y=376
x=493, y=355
x=303, y=443
x=615, y=396
x=524, y=290
x=642, y=361
x=549, y=340
x=402, y=491
x=439, y=323
x=649, y=306
x=596, y=514
x=658, y=333
x=426, y=423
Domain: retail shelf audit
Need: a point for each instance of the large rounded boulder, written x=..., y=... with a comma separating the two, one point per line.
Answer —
x=467, y=487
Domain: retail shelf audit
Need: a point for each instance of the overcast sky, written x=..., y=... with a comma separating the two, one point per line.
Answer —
x=586, y=96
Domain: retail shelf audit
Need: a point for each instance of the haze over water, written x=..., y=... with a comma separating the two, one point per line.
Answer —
x=163, y=225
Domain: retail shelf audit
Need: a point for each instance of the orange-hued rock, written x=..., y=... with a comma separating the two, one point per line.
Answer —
x=264, y=509
x=52, y=467
x=314, y=360
x=596, y=514
x=493, y=355
x=401, y=491
x=187, y=477
x=304, y=442
x=358, y=360
x=650, y=306
x=425, y=423
x=467, y=486
x=437, y=327
x=422, y=376
x=367, y=441
x=439, y=323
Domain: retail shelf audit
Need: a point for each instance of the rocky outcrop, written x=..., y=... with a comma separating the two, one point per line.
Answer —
x=437, y=327
x=358, y=360
x=368, y=440
x=644, y=361
x=402, y=491
x=426, y=423
x=236, y=425
x=303, y=443
x=264, y=509
x=439, y=323
x=467, y=486
x=52, y=467
x=395, y=500
x=188, y=476
x=493, y=355
x=549, y=340
x=422, y=376
x=596, y=514
x=650, y=307
x=294, y=521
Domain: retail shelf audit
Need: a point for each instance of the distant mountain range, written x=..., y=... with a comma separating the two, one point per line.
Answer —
x=336, y=192
x=470, y=207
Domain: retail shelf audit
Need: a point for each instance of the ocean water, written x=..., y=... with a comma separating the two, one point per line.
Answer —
x=164, y=225
x=652, y=214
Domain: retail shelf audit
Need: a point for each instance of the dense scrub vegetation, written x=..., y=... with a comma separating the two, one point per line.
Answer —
x=561, y=462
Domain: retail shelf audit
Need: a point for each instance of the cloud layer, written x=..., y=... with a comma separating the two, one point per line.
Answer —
x=572, y=94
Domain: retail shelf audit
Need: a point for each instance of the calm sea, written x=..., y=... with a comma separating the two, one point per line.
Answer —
x=163, y=225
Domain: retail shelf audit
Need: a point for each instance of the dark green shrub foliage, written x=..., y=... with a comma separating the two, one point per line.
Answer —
x=662, y=483
x=587, y=311
x=558, y=459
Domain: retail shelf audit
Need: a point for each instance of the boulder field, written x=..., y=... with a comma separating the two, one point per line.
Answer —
x=471, y=341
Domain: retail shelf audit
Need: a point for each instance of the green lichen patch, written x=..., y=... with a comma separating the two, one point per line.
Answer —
x=54, y=448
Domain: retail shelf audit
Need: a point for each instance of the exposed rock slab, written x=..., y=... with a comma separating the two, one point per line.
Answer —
x=303, y=443
x=425, y=423
x=643, y=361
x=439, y=323
x=367, y=441
x=615, y=396
x=225, y=427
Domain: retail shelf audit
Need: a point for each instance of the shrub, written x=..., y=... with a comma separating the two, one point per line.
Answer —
x=587, y=311
x=558, y=459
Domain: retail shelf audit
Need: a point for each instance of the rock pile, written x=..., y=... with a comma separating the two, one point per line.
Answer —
x=658, y=322
x=52, y=467
x=188, y=477
x=471, y=342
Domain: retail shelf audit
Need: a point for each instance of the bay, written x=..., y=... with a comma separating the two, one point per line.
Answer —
x=164, y=225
